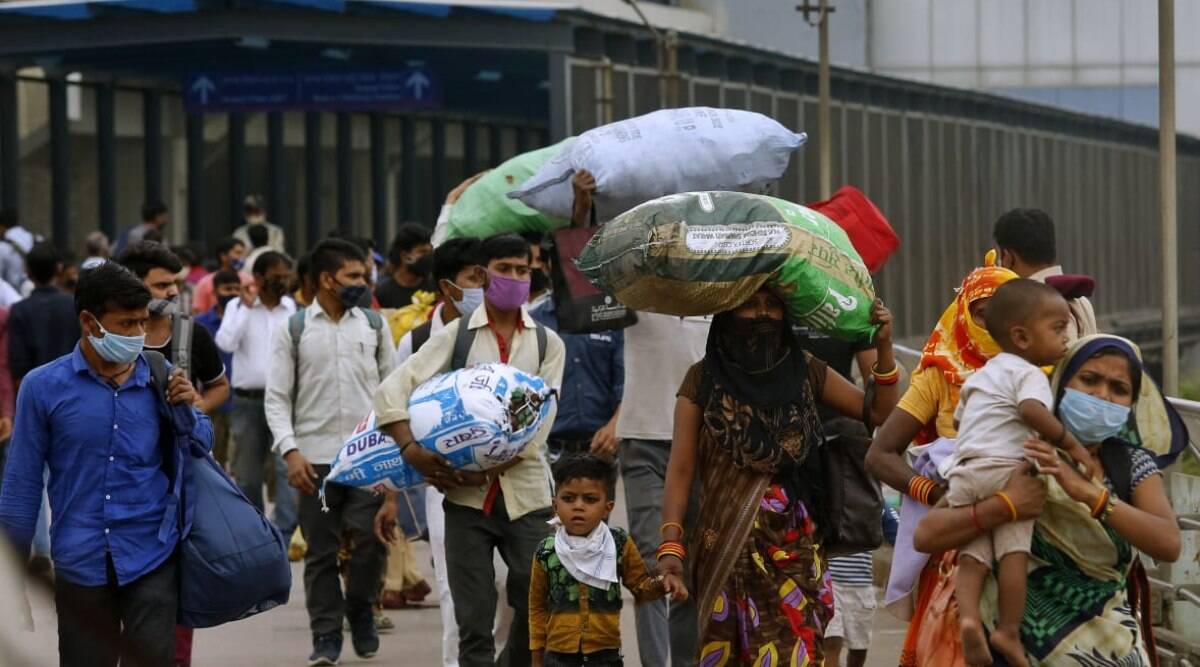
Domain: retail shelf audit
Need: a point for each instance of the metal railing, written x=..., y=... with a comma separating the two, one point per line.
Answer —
x=1175, y=646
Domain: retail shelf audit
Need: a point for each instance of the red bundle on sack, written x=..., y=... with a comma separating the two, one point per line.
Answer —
x=863, y=222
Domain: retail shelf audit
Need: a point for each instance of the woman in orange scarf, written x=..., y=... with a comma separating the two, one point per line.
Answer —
x=957, y=347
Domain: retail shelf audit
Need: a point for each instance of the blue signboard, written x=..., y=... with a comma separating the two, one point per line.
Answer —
x=408, y=88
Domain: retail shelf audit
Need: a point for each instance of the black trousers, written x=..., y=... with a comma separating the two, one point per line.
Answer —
x=351, y=516
x=471, y=539
x=606, y=658
x=134, y=623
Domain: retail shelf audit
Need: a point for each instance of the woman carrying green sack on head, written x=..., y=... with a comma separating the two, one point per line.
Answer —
x=747, y=429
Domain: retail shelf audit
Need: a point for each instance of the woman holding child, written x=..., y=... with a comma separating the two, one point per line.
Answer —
x=746, y=425
x=958, y=346
x=1081, y=608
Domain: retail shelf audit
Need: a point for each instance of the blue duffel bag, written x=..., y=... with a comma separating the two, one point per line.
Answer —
x=232, y=561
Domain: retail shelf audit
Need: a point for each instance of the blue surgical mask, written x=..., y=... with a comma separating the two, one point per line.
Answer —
x=472, y=298
x=238, y=264
x=115, y=348
x=1092, y=420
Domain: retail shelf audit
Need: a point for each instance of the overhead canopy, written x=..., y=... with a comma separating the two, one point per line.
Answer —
x=488, y=58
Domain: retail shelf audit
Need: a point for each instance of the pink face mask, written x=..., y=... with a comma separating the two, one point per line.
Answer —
x=506, y=293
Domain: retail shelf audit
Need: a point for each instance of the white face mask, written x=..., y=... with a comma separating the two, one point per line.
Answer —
x=256, y=219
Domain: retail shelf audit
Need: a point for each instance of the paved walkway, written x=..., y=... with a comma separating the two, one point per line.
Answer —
x=281, y=636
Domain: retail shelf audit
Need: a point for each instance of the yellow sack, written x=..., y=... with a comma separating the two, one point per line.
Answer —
x=403, y=320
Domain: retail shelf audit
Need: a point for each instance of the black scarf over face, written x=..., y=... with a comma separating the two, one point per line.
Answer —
x=757, y=401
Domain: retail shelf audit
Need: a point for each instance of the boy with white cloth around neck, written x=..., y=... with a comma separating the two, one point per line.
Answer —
x=575, y=589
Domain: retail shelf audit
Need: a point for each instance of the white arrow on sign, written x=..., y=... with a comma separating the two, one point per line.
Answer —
x=417, y=82
x=204, y=87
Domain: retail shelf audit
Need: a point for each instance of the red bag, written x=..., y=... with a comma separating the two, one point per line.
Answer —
x=939, y=643
x=869, y=231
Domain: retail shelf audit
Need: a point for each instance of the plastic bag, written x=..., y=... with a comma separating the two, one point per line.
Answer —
x=869, y=231
x=664, y=152
x=702, y=253
x=404, y=320
x=484, y=209
x=477, y=418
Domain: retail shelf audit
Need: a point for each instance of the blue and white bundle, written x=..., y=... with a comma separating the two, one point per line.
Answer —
x=477, y=418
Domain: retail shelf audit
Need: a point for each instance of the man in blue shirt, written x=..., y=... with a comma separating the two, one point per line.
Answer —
x=593, y=382
x=92, y=418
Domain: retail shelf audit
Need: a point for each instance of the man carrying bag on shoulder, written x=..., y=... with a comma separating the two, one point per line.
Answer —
x=92, y=417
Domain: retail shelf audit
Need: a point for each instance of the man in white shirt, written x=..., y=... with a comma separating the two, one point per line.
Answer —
x=505, y=508
x=253, y=213
x=659, y=350
x=245, y=333
x=12, y=261
x=1026, y=243
x=325, y=366
x=459, y=276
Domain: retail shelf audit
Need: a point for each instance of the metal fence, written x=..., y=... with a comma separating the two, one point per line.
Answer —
x=943, y=178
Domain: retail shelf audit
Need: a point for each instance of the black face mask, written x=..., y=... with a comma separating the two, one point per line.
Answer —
x=755, y=345
x=422, y=266
x=538, y=281
x=275, y=288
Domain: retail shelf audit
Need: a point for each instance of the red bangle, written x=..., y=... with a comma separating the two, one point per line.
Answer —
x=919, y=488
x=975, y=518
x=671, y=548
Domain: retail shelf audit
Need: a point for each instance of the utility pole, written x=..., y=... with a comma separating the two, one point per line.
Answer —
x=1167, y=201
x=824, y=124
x=666, y=59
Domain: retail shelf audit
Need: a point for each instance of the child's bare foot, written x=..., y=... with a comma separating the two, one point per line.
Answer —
x=1008, y=644
x=975, y=645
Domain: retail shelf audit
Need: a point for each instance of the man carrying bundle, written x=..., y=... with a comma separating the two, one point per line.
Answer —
x=505, y=508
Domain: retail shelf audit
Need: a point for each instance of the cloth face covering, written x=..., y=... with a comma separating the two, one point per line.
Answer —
x=958, y=346
x=506, y=293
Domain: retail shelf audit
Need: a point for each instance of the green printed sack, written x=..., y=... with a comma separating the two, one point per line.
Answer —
x=702, y=253
x=484, y=208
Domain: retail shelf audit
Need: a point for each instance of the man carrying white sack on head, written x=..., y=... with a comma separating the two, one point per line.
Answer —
x=505, y=508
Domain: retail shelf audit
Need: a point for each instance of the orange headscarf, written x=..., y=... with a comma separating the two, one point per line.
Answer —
x=958, y=346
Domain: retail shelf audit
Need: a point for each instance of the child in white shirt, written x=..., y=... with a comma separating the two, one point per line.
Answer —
x=1001, y=406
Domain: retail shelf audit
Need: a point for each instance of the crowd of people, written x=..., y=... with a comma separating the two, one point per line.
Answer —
x=713, y=424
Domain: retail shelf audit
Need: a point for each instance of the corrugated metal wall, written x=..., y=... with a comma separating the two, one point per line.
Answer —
x=942, y=180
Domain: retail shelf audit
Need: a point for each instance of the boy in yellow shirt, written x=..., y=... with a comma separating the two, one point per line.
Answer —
x=575, y=589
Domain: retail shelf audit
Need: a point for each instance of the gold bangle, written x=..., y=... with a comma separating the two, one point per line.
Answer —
x=1100, y=502
x=1011, y=507
x=671, y=524
x=1109, y=507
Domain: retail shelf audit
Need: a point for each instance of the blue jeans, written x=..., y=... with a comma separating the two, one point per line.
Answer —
x=662, y=628
x=287, y=503
x=248, y=423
